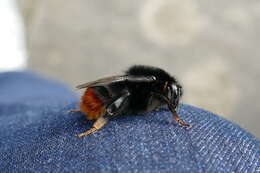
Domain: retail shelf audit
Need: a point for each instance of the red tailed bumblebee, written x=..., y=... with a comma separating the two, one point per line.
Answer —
x=140, y=89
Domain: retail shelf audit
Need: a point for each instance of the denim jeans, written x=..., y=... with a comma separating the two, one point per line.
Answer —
x=38, y=135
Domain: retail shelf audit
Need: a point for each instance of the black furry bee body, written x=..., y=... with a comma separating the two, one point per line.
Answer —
x=140, y=89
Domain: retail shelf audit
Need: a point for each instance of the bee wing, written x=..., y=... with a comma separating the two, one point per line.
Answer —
x=114, y=79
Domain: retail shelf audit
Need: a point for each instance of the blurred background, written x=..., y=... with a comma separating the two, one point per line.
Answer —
x=211, y=46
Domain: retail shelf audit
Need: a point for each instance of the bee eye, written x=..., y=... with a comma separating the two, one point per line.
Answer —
x=169, y=92
x=175, y=89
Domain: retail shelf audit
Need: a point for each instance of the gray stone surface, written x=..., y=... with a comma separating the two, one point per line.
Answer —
x=211, y=46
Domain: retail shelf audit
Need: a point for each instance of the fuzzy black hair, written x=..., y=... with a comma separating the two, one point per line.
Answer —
x=143, y=70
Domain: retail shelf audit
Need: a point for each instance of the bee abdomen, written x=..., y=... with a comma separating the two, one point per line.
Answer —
x=92, y=104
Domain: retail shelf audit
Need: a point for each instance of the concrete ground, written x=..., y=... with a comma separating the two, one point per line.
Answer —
x=211, y=46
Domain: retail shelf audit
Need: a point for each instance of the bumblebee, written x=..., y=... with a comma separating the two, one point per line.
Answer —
x=141, y=89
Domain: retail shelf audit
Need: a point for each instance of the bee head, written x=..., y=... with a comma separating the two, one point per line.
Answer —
x=174, y=93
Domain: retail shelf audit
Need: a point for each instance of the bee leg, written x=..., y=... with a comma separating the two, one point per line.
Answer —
x=99, y=123
x=74, y=110
x=174, y=113
x=112, y=110
x=117, y=106
x=179, y=120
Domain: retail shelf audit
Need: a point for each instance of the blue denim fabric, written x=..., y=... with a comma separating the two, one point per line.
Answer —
x=37, y=135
